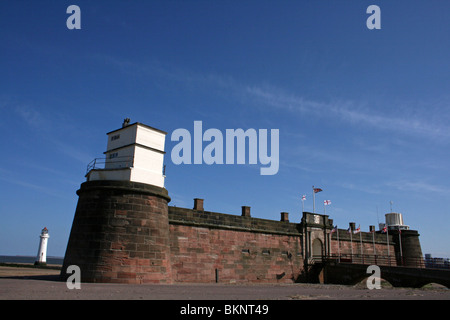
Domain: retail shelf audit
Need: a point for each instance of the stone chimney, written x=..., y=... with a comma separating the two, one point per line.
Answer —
x=352, y=226
x=198, y=204
x=245, y=211
x=285, y=216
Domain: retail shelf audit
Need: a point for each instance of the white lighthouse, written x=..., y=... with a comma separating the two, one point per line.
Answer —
x=134, y=152
x=41, y=258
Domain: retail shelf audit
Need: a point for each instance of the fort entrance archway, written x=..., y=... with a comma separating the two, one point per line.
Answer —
x=317, y=249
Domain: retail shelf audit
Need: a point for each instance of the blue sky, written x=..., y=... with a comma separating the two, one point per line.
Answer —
x=363, y=114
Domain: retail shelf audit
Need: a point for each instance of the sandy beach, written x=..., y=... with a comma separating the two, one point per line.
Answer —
x=28, y=283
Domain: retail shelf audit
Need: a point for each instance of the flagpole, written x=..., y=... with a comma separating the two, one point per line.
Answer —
x=387, y=236
x=400, y=238
x=314, y=200
x=339, y=246
x=373, y=241
x=351, y=241
x=361, y=247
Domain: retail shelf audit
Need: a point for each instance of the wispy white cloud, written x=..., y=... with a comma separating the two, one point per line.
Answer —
x=31, y=116
x=298, y=166
x=279, y=99
x=71, y=151
x=361, y=188
x=419, y=187
x=406, y=124
x=24, y=111
x=40, y=188
x=358, y=113
x=45, y=125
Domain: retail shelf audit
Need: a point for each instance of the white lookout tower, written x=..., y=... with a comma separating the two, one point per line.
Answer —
x=134, y=152
x=42, y=252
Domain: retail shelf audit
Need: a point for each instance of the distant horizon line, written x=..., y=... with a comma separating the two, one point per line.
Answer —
x=28, y=256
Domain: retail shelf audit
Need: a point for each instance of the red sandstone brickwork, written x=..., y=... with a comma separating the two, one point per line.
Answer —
x=138, y=251
x=119, y=236
x=368, y=249
x=124, y=232
x=381, y=249
x=197, y=252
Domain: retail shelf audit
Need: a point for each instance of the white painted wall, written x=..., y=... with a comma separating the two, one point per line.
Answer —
x=150, y=138
x=127, y=135
x=148, y=159
x=124, y=158
x=128, y=143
